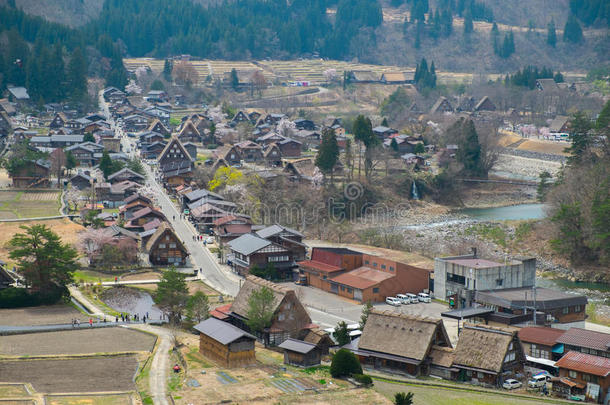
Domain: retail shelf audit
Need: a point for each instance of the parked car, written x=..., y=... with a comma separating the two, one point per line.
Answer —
x=413, y=298
x=393, y=301
x=539, y=380
x=511, y=384
x=403, y=298
x=423, y=297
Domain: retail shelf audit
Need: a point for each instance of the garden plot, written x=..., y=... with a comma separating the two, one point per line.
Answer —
x=28, y=204
x=93, y=374
x=78, y=341
x=112, y=399
x=43, y=315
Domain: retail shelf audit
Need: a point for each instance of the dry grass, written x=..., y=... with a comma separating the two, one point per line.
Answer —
x=65, y=228
x=508, y=138
x=111, y=399
x=43, y=315
x=554, y=148
x=13, y=391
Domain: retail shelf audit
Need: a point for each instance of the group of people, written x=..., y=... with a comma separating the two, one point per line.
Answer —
x=76, y=322
x=135, y=318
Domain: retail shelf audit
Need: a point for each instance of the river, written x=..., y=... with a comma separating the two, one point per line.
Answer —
x=511, y=212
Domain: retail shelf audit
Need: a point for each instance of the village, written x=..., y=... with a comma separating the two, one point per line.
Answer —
x=156, y=192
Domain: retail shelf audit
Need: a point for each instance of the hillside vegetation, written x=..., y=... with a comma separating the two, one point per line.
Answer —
x=460, y=35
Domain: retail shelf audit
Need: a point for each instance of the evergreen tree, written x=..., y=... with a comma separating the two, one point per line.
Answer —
x=88, y=137
x=328, y=153
x=572, y=31
x=468, y=25
x=167, y=70
x=363, y=132
x=394, y=145
x=602, y=123
x=580, y=125
x=551, y=36
x=77, y=75
x=469, y=150
x=172, y=295
x=495, y=35
x=106, y=165
x=341, y=333
x=234, y=79
x=117, y=76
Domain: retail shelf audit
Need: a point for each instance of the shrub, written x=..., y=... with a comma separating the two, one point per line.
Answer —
x=20, y=297
x=363, y=379
x=344, y=363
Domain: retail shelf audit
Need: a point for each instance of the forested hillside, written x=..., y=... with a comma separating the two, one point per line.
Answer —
x=461, y=35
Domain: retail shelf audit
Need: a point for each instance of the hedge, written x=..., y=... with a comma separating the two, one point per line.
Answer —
x=20, y=297
x=363, y=379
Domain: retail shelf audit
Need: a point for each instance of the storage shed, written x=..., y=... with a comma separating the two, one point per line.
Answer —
x=299, y=353
x=226, y=344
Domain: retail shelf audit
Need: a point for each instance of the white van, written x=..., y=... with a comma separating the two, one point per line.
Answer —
x=423, y=297
x=412, y=297
x=403, y=298
x=538, y=381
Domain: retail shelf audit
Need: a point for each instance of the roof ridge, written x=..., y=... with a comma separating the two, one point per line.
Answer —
x=405, y=316
x=273, y=286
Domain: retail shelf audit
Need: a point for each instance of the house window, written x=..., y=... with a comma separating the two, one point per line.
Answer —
x=277, y=259
x=572, y=374
x=566, y=310
x=374, y=264
x=509, y=357
x=499, y=282
x=480, y=375
x=349, y=290
x=167, y=237
x=383, y=266
x=324, y=277
x=577, y=308
x=375, y=290
x=391, y=268
x=161, y=245
x=172, y=245
x=590, y=378
x=342, y=288
x=366, y=262
x=280, y=317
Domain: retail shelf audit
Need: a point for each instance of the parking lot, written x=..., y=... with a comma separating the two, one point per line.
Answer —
x=326, y=309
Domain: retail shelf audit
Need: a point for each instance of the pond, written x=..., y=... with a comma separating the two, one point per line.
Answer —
x=594, y=291
x=511, y=212
x=131, y=301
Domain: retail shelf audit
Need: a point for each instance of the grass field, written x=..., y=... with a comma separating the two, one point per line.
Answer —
x=73, y=375
x=111, y=399
x=554, y=148
x=424, y=395
x=28, y=204
x=79, y=341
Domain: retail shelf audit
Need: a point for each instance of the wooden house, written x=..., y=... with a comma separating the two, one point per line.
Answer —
x=81, y=181
x=398, y=78
x=175, y=163
x=240, y=116
x=58, y=121
x=158, y=127
x=143, y=216
x=319, y=338
x=288, y=238
x=228, y=153
x=363, y=76
x=231, y=227
x=487, y=355
x=485, y=104
x=441, y=106
x=586, y=371
x=384, y=132
x=126, y=174
x=541, y=343
x=269, y=138
x=273, y=155
x=35, y=174
x=399, y=342
x=300, y=353
x=225, y=344
x=303, y=170
x=290, y=148
x=560, y=124
x=250, y=250
x=189, y=133
x=250, y=151
x=289, y=319
x=305, y=124
x=152, y=150
x=165, y=248
x=586, y=341
x=150, y=137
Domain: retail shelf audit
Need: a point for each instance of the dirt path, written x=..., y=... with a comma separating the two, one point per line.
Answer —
x=160, y=365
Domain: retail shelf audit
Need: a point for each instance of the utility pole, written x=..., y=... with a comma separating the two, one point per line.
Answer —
x=535, y=312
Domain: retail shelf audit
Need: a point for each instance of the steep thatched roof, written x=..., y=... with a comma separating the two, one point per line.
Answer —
x=240, y=305
x=482, y=347
x=160, y=232
x=401, y=334
x=442, y=356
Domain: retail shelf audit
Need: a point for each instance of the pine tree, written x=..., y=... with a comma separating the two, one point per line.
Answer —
x=468, y=25
x=572, y=31
x=77, y=75
x=580, y=125
x=495, y=35
x=106, y=164
x=328, y=153
x=551, y=36
x=167, y=70
x=469, y=151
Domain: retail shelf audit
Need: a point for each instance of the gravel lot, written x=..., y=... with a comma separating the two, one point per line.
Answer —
x=80, y=341
x=97, y=374
x=45, y=315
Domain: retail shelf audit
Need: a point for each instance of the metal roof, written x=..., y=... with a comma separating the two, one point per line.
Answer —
x=585, y=363
x=275, y=229
x=465, y=313
x=298, y=346
x=248, y=244
x=220, y=331
x=585, y=338
x=546, y=298
x=20, y=93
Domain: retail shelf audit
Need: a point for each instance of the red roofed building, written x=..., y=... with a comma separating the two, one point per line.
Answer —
x=594, y=371
x=586, y=341
x=361, y=277
x=541, y=342
x=231, y=227
x=222, y=312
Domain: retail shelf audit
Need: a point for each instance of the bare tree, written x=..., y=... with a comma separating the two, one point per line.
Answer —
x=58, y=162
x=185, y=73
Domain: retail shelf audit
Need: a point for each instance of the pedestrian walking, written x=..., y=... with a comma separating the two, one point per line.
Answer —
x=147, y=315
x=116, y=319
x=91, y=322
x=77, y=323
x=72, y=322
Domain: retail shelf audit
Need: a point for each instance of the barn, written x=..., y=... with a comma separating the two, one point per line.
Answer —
x=225, y=344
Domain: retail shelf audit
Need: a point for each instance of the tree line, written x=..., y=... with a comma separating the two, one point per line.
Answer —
x=527, y=76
